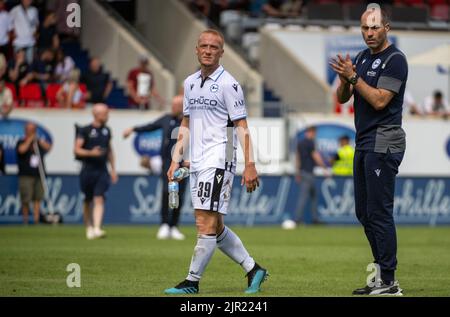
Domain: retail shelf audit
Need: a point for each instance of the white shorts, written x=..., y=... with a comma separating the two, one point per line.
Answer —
x=211, y=189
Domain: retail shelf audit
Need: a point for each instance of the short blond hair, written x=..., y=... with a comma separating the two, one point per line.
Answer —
x=214, y=32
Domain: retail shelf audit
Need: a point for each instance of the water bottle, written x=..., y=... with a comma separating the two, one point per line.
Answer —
x=173, y=195
x=181, y=173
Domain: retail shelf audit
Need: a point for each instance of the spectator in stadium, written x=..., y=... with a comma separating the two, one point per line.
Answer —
x=25, y=19
x=168, y=122
x=48, y=37
x=380, y=140
x=307, y=157
x=436, y=105
x=30, y=153
x=93, y=147
x=342, y=162
x=409, y=105
x=2, y=160
x=44, y=68
x=19, y=71
x=6, y=100
x=70, y=95
x=64, y=66
x=6, y=28
x=98, y=83
x=3, y=67
x=141, y=86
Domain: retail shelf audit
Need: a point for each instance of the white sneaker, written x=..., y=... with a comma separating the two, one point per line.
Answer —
x=90, y=233
x=163, y=232
x=288, y=224
x=176, y=234
x=99, y=233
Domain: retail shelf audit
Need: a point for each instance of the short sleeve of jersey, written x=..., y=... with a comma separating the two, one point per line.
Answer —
x=394, y=75
x=234, y=101
x=81, y=132
x=186, y=100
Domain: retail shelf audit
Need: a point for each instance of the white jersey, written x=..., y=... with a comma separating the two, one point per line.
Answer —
x=212, y=105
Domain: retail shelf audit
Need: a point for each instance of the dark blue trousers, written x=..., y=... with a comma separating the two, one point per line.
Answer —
x=374, y=182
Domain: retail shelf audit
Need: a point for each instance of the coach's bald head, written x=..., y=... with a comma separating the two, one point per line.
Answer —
x=100, y=112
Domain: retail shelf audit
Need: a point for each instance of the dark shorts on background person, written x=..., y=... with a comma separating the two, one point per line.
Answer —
x=30, y=189
x=94, y=183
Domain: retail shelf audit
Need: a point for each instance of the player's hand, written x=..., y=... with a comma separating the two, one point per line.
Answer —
x=114, y=177
x=97, y=151
x=250, y=177
x=173, y=167
x=127, y=132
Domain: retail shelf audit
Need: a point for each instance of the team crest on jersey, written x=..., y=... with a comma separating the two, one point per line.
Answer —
x=214, y=88
x=235, y=87
x=376, y=63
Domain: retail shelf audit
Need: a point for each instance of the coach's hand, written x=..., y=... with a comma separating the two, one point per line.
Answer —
x=250, y=177
x=173, y=167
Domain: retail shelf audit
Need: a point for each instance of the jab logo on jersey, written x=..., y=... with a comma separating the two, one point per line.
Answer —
x=214, y=88
x=376, y=63
x=239, y=103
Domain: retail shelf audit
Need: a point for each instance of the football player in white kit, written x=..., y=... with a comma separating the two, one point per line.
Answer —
x=214, y=119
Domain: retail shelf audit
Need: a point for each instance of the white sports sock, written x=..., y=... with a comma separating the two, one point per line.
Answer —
x=203, y=251
x=230, y=244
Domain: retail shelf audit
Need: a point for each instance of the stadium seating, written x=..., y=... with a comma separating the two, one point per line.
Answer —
x=31, y=96
x=51, y=91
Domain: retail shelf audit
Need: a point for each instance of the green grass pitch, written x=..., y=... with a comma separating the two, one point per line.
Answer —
x=308, y=261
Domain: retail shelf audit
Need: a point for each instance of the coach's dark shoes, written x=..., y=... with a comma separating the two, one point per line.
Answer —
x=255, y=278
x=185, y=287
x=381, y=288
x=388, y=289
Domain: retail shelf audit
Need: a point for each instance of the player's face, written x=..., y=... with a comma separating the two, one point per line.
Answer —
x=373, y=30
x=209, y=49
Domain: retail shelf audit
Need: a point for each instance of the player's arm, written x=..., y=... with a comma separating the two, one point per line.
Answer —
x=180, y=147
x=250, y=175
x=158, y=124
x=378, y=98
x=112, y=164
x=318, y=159
x=84, y=153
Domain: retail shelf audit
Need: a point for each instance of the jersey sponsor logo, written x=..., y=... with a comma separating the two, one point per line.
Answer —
x=202, y=101
x=11, y=131
x=371, y=73
x=235, y=87
x=376, y=63
x=93, y=133
x=214, y=88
